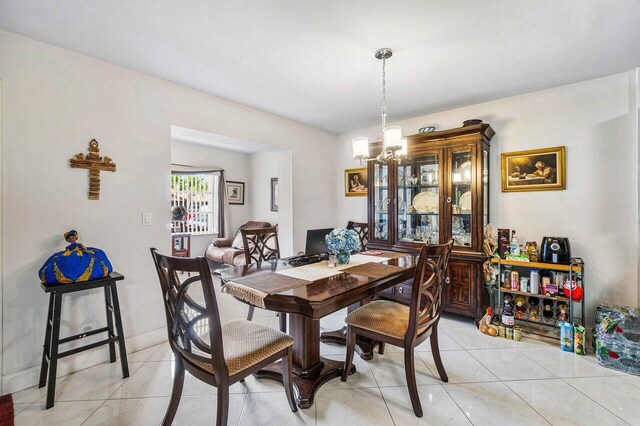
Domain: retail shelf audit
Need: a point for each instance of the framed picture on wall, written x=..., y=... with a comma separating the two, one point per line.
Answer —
x=355, y=182
x=274, y=194
x=534, y=170
x=235, y=192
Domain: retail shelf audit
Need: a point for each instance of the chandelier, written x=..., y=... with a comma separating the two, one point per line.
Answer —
x=394, y=146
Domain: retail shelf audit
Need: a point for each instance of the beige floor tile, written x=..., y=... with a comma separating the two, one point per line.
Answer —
x=388, y=370
x=95, y=383
x=493, y=404
x=62, y=413
x=351, y=407
x=273, y=409
x=362, y=378
x=33, y=393
x=143, y=355
x=567, y=364
x=510, y=364
x=614, y=393
x=437, y=406
x=153, y=379
x=460, y=366
x=561, y=404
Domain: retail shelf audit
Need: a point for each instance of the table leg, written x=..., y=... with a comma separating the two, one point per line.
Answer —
x=310, y=370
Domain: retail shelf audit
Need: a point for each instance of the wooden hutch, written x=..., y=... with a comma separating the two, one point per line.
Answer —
x=438, y=192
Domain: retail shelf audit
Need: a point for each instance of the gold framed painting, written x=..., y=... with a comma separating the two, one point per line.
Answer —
x=355, y=182
x=534, y=170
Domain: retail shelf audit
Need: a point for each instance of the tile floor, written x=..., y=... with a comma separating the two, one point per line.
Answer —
x=492, y=381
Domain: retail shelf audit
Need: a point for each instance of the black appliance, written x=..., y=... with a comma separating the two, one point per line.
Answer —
x=555, y=250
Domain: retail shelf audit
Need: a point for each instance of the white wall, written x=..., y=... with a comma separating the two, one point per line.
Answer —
x=55, y=101
x=597, y=121
x=264, y=166
x=236, y=167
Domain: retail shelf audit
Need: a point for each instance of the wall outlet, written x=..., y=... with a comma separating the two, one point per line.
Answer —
x=147, y=219
x=86, y=328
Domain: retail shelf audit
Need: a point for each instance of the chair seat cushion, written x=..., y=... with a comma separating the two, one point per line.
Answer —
x=381, y=316
x=246, y=344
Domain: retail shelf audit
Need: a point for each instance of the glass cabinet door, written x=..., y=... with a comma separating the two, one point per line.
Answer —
x=381, y=202
x=485, y=188
x=418, y=200
x=461, y=197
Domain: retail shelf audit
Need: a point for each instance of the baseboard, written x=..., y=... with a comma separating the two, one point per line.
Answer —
x=29, y=377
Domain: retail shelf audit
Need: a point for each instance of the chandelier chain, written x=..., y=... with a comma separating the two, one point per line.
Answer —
x=383, y=110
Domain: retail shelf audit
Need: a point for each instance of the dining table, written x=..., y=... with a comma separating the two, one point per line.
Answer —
x=306, y=294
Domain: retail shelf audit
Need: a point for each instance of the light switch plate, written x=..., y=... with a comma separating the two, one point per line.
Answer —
x=147, y=219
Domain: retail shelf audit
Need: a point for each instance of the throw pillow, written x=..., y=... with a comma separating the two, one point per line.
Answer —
x=237, y=242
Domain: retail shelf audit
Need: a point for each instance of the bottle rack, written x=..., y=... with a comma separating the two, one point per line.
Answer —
x=542, y=326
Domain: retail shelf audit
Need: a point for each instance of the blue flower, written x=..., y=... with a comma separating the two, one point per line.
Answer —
x=341, y=239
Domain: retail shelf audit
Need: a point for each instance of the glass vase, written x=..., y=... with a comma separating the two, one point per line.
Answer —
x=343, y=257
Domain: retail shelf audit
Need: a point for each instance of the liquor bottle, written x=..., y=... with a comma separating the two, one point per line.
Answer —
x=508, y=316
x=514, y=247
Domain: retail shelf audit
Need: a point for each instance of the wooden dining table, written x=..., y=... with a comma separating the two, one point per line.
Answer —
x=307, y=303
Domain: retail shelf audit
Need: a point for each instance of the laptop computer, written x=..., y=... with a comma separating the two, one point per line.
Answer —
x=316, y=243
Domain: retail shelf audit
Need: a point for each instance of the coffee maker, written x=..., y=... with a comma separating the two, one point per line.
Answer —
x=555, y=250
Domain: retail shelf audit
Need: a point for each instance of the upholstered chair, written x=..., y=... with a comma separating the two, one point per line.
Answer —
x=362, y=229
x=225, y=353
x=407, y=326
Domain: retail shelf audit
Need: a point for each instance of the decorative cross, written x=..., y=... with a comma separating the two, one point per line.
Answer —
x=94, y=163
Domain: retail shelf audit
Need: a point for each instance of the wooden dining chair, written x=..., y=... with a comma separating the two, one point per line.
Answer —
x=362, y=229
x=233, y=351
x=261, y=244
x=407, y=326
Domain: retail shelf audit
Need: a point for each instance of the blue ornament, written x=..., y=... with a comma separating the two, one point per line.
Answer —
x=76, y=263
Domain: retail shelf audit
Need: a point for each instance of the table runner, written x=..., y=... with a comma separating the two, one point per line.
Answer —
x=374, y=270
x=254, y=289
x=320, y=270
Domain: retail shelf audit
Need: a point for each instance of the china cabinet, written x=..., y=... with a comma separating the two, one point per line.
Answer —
x=438, y=192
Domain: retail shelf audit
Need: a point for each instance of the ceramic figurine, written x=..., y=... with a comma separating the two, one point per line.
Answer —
x=76, y=263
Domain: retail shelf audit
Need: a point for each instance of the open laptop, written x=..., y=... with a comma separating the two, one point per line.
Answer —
x=315, y=250
x=316, y=243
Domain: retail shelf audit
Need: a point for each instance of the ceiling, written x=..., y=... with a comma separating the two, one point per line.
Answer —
x=312, y=61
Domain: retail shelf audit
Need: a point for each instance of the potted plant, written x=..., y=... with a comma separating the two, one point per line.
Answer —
x=342, y=242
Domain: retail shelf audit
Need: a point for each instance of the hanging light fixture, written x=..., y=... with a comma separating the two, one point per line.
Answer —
x=394, y=146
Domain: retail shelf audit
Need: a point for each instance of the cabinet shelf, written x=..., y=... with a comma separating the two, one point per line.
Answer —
x=538, y=265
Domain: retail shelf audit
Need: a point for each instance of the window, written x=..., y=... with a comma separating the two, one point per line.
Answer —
x=194, y=203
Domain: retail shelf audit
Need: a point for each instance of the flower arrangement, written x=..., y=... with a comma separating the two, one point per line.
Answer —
x=342, y=242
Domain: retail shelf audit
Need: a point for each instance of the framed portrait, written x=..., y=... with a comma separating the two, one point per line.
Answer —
x=235, y=192
x=355, y=182
x=274, y=194
x=534, y=170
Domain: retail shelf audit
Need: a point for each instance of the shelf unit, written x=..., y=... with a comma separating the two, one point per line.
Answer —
x=548, y=327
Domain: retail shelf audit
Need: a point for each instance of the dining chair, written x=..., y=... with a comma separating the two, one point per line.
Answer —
x=362, y=229
x=260, y=245
x=407, y=326
x=233, y=351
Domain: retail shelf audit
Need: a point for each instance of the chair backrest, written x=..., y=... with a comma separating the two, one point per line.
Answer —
x=185, y=315
x=362, y=229
x=428, y=283
x=260, y=244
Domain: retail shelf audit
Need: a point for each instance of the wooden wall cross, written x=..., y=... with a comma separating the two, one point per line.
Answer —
x=94, y=163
